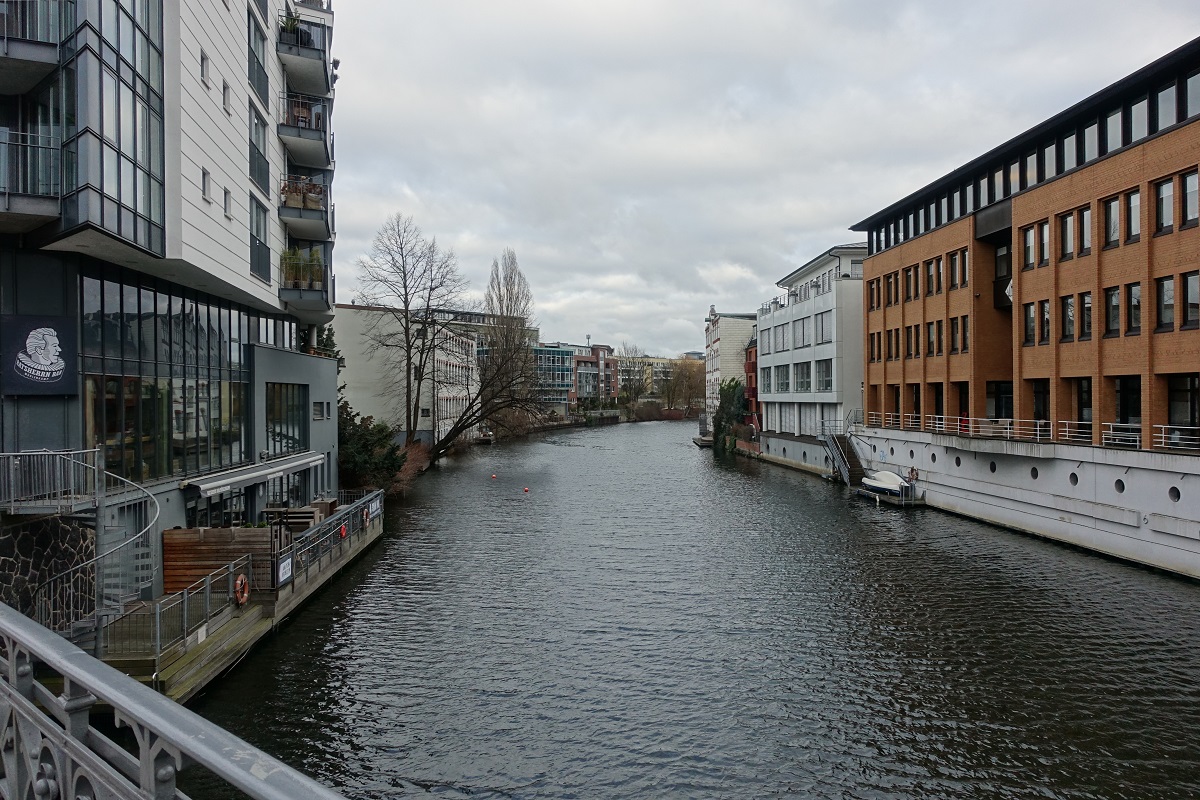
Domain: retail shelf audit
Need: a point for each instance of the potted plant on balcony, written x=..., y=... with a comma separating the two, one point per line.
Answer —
x=293, y=193
x=316, y=269
x=314, y=196
x=289, y=29
x=293, y=267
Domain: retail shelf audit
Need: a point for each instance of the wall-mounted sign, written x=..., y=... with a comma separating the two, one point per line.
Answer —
x=285, y=571
x=38, y=355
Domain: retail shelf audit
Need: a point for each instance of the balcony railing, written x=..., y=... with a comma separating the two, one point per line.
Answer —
x=35, y=20
x=1177, y=437
x=305, y=111
x=260, y=258
x=29, y=164
x=301, y=32
x=257, y=75
x=300, y=271
x=1074, y=431
x=320, y=5
x=1121, y=434
x=911, y=422
x=301, y=191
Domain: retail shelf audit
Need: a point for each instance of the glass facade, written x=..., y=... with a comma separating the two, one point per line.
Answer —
x=287, y=419
x=166, y=381
x=110, y=88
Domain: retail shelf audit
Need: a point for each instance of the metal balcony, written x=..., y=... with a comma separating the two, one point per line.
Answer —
x=31, y=32
x=303, y=47
x=30, y=171
x=304, y=128
x=305, y=209
x=306, y=288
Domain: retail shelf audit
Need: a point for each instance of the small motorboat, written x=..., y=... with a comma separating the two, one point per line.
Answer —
x=888, y=483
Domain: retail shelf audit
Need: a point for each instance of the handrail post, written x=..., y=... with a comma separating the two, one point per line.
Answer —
x=184, y=605
x=157, y=629
x=208, y=597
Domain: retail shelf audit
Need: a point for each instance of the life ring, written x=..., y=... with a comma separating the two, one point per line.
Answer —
x=366, y=517
x=912, y=474
x=343, y=531
x=241, y=589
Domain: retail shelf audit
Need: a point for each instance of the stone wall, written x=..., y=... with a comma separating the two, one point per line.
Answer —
x=33, y=551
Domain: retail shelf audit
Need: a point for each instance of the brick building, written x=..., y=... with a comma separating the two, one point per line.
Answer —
x=1050, y=286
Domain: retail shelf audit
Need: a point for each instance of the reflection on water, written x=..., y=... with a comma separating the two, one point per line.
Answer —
x=647, y=622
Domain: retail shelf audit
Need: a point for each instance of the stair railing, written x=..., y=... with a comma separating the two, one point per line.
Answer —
x=105, y=583
x=829, y=434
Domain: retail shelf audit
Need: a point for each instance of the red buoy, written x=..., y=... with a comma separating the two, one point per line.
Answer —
x=493, y=476
x=526, y=490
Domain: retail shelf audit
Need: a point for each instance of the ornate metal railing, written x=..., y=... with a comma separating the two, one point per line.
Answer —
x=101, y=586
x=51, y=749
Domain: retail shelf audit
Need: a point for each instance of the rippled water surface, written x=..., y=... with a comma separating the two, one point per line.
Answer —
x=647, y=622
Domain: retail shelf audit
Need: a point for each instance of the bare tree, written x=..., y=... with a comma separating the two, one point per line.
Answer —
x=412, y=283
x=631, y=372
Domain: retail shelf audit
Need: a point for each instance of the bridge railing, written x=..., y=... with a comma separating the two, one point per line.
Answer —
x=52, y=750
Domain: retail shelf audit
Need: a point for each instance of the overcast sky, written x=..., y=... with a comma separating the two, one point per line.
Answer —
x=647, y=158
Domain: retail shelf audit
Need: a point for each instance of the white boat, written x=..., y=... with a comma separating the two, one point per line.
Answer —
x=889, y=483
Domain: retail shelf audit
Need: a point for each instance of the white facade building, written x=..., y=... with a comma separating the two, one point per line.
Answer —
x=725, y=339
x=374, y=380
x=810, y=356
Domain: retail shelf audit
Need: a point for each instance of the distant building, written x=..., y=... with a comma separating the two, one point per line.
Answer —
x=725, y=338
x=595, y=377
x=753, y=407
x=556, y=376
x=375, y=381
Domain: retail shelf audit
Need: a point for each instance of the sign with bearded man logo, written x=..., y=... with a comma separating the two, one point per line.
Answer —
x=37, y=352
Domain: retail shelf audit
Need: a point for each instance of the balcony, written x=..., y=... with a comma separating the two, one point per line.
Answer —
x=30, y=170
x=303, y=47
x=31, y=30
x=304, y=208
x=305, y=286
x=304, y=129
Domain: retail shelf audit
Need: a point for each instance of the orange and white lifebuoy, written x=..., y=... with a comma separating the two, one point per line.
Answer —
x=366, y=517
x=343, y=530
x=241, y=589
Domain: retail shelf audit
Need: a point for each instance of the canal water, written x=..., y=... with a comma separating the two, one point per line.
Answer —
x=648, y=622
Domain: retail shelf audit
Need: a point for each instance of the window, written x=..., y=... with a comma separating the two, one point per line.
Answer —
x=824, y=327
x=1043, y=243
x=803, y=331
x=425, y=413
x=1164, y=304
x=1070, y=152
x=908, y=284
x=781, y=338
x=259, y=168
x=256, y=73
x=1112, y=311
x=929, y=278
x=1189, y=303
x=954, y=334
x=953, y=270
x=1029, y=175
x=782, y=378
x=204, y=68
x=228, y=204
x=1164, y=206
x=1112, y=222
x=962, y=266
x=1139, y=119
x=260, y=252
x=1133, y=308
x=206, y=185
x=939, y=337
x=1028, y=253
x=764, y=380
x=825, y=375
x=1165, y=107
x=1191, y=209
x=287, y=431
x=1133, y=216
x=1192, y=94
x=930, y=339
x=764, y=344
x=1085, y=231
x=966, y=334
x=1044, y=319
x=1067, y=317
x=804, y=375
x=226, y=97
x=1049, y=161
x=937, y=273
x=1091, y=142
x=908, y=341
x=1085, y=316
x=1066, y=237
x=1030, y=317
x=1112, y=131
x=318, y=411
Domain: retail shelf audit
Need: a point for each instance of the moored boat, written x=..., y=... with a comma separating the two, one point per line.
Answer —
x=884, y=482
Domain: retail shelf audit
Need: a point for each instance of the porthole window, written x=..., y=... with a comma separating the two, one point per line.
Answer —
x=1074, y=479
x=1033, y=473
x=892, y=451
x=785, y=452
x=933, y=458
x=874, y=449
x=911, y=454
x=957, y=461
x=804, y=455
x=992, y=466
x=1173, y=493
x=1119, y=486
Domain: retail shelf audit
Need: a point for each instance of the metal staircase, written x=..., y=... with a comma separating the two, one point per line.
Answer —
x=835, y=434
x=74, y=486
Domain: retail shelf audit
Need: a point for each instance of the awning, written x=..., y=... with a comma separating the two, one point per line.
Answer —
x=231, y=479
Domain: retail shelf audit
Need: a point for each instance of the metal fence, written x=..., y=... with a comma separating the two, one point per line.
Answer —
x=29, y=164
x=56, y=481
x=36, y=20
x=52, y=750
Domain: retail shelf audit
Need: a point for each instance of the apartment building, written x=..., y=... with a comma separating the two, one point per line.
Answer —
x=725, y=339
x=1046, y=295
x=151, y=314
x=556, y=376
